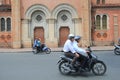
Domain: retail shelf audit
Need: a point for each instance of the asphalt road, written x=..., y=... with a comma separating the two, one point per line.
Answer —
x=29, y=66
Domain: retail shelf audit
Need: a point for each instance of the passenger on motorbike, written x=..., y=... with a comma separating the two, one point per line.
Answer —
x=69, y=49
x=83, y=53
x=77, y=48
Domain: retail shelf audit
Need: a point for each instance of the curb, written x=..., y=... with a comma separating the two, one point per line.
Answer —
x=23, y=50
x=31, y=51
x=92, y=50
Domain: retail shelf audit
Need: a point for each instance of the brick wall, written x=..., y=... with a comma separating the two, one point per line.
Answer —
x=5, y=39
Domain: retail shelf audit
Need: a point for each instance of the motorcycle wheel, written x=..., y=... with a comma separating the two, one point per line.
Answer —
x=48, y=51
x=99, y=68
x=35, y=51
x=117, y=51
x=64, y=68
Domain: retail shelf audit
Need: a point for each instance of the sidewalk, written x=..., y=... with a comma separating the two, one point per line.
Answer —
x=94, y=48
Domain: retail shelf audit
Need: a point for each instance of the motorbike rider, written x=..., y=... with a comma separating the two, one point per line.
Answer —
x=83, y=53
x=37, y=43
x=77, y=48
x=69, y=49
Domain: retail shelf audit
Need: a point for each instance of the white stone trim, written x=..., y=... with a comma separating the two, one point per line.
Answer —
x=70, y=12
x=37, y=7
x=42, y=23
x=5, y=18
x=60, y=23
x=31, y=13
x=101, y=15
x=66, y=7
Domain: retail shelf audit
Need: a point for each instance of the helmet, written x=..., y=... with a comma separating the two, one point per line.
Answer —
x=77, y=37
x=70, y=36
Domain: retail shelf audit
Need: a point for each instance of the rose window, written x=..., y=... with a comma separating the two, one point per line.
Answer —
x=38, y=18
x=64, y=17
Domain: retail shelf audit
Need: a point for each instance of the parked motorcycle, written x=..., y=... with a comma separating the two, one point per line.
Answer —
x=117, y=49
x=44, y=49
x=98, y=67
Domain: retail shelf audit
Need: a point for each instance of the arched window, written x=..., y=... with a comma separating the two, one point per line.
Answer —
x=2, y=24
x=98, y=1
x=98, y=22
x=104, y=22
x=103, y=1
x=8, y=24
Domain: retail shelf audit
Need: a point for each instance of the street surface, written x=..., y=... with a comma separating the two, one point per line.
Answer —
x=29, y=66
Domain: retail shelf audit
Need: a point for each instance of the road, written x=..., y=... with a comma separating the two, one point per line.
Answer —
x=29, y=66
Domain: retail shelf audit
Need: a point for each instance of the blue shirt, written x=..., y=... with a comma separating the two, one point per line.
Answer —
x=36, y=43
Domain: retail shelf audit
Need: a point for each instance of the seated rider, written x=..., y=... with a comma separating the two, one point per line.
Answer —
x=83, y=53
x=69, y=49
x=77, y=48
x=37, y=43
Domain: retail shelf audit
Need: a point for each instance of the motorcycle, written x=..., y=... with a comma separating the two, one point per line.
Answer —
x=117, y=49
x=98, y=67
x=44, y=49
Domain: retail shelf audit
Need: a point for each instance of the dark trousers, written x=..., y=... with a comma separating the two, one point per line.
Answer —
x=38, y=48
x=72, y=56
x=83, y=60
x=42, y=46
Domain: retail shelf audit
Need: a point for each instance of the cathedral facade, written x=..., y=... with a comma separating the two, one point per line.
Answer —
x=21, y=21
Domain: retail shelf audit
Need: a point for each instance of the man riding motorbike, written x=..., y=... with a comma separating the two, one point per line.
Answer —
x=79, y=65
x=69, y=49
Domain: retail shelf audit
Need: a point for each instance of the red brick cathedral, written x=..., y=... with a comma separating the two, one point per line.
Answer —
x=21, y=21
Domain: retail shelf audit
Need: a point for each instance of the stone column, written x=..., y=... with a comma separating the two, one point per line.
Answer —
x=116, y=31
x=86, y=22
x=16, y=29
x=26, y=41
x=51, y=41
x=8, y=2
x=78, y=26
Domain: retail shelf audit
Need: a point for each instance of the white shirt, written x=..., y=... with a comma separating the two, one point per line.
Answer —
x=78, y=49
x=68, y=46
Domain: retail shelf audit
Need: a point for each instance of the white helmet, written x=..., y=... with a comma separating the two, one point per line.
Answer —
x=70, y=36
x=77, y=37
